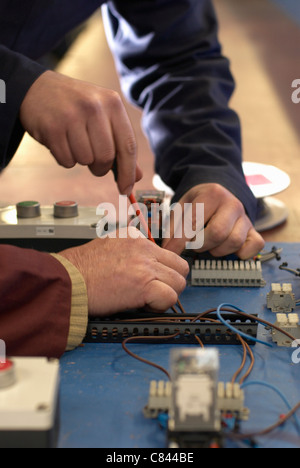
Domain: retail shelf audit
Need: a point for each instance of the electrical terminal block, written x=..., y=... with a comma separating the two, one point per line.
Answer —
x=159, y=399
x=155, y=211
x=231, y=400
x=230, y=273
x=281, y=298
x=174, y=329
x=290, y=324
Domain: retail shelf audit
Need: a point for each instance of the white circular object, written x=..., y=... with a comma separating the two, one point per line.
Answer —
x=265, y=180
x=273, y=213
x=158, y=184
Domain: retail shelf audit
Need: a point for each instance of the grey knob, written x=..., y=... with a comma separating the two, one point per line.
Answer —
x=28, y=209
x=65, y=209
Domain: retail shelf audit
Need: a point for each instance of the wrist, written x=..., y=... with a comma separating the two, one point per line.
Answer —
x=79, y=304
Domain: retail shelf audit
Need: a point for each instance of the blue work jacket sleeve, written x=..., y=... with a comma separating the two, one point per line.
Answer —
x=171, y=65
x=18, y=73
x=28, y=30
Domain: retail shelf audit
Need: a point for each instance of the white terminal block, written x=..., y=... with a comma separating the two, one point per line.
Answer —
x=29, y=405
x=281, y=298
x=290, y=324
x=159, y=399
x=231, y=400
x=287, y=320
x=230, y=273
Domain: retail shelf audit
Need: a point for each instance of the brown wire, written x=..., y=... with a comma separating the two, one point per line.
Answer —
x=148, y=338
x=243, y=361
x=199, y=341
x=166, y=337
x=268, y=429
x=181, y=307
x=146, y=361
x=209, y=311
x=251, y=317
x=251, y=364
x=246, y=347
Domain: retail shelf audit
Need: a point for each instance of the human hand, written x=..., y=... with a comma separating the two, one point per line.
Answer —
x=82, y=123
x=227, y=230
x=128, y=273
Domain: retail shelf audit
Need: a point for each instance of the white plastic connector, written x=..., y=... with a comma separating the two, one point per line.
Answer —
x=281, y=298
x=238, y=273
x=231, y=399
x=288, y=323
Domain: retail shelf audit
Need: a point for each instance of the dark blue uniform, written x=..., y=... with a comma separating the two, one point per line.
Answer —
x=170, y=64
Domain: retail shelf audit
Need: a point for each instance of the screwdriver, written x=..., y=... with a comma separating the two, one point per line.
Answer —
x=134, y=203
x=139, y=214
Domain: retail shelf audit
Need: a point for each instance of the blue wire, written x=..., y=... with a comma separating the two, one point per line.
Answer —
x=275, y=389
x=255, y=382
x=235, y=330
x=163, y=420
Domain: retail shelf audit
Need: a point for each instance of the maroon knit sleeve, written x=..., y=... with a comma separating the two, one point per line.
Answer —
x=35, y=303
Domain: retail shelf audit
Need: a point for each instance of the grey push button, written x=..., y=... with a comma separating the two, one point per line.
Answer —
x=66, y=209
x=28, y=209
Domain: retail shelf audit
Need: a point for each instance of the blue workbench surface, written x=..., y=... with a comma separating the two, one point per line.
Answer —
x=103, y=390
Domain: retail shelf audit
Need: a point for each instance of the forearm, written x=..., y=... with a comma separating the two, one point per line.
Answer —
x=18, y=73
x=79, y=305
x=27, y=33
x=171, y=65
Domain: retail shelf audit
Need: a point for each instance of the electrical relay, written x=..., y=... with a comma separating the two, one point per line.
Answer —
x=194, y=419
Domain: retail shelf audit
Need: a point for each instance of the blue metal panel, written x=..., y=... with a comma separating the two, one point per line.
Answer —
x=104, y=390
